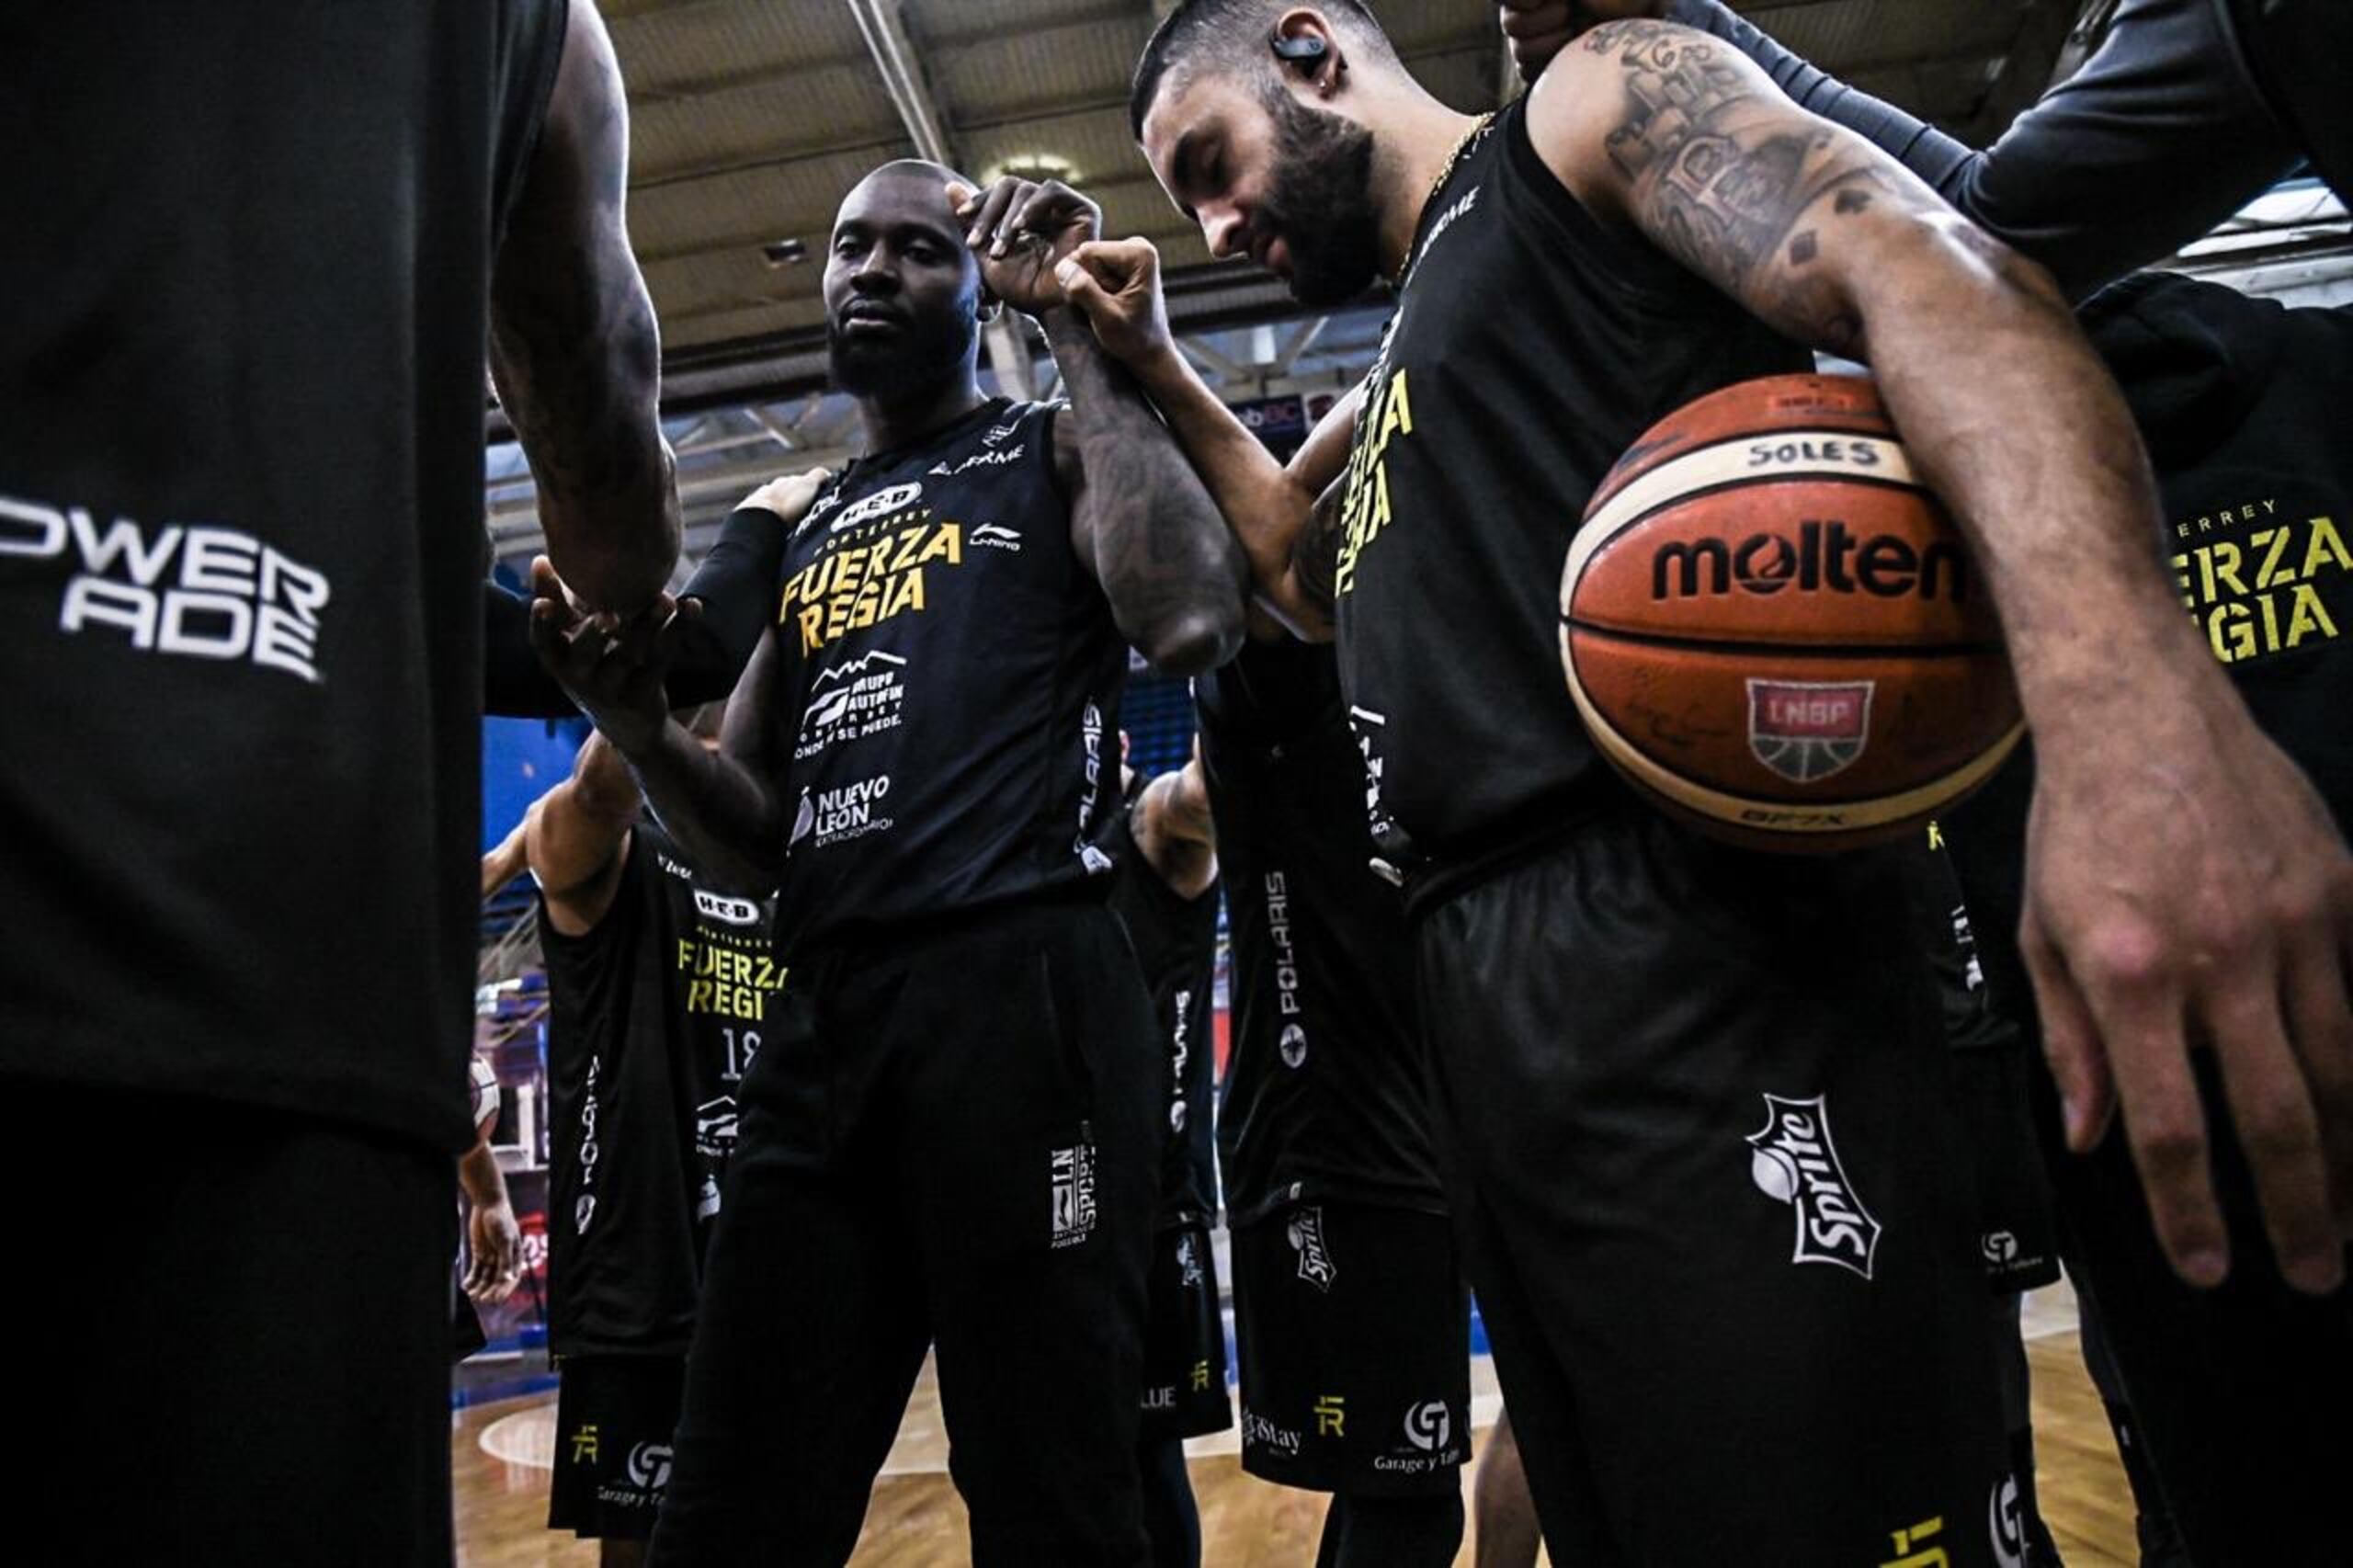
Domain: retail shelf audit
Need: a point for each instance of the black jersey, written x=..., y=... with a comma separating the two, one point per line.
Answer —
x=653, y=1017
x=954, y=672
x=1176, y=944
x=1529, y=347
x=2241, y=403
x=1326, y=1091
x=239, y=748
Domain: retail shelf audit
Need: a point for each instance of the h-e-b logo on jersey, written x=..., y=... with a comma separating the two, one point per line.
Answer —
x=1796, y=1162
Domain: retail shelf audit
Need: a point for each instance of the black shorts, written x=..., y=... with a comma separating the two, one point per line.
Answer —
x=1184, y=1339
x=258, y=1370
x=1354, y=1333
x=950, y=1139
x=1695, y=1109
x=615, y=1417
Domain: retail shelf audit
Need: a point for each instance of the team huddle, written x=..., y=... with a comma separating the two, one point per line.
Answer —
x=881, y=996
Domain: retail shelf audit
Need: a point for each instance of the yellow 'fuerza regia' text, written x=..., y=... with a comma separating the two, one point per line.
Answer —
x=868, y=581
x=1364, y=505
x=727, y=983
x=2267, y=590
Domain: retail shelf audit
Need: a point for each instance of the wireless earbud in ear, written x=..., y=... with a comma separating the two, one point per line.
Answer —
x=1306, y=53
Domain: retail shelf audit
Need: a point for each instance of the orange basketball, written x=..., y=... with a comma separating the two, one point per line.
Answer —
x=1773, y=629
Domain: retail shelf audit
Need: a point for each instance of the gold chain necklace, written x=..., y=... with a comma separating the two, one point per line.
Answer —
x=1453, y=161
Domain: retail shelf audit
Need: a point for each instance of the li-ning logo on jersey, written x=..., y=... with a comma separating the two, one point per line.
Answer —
x=1796, y=1162
x=1305, y=1233
x=1807, y=730
x=185, y=590
x=878, y=505
x=729, y=910
x=1073, y=1183
x=997, y=536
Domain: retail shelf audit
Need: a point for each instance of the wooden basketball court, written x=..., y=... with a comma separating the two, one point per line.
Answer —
x=916, y=1520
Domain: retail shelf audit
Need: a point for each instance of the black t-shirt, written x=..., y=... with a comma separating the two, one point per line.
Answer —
x=1326, y=1089
x=2242, y=403
x=241, y=468
x=1176, y=944
x=1528, y=349
x=953, y=677
x=653, y=1017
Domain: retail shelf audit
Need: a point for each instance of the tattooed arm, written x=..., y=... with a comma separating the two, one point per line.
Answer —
x=2184, y=881
x=2158, y=138
x=1267, y=503
x=574, y=344
x=1176, y=577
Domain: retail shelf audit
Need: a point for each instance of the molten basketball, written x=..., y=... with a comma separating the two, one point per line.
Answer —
x=1773, y=629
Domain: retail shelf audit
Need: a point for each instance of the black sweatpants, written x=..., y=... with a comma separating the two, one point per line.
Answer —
x=1694, y=1107
x=950, y=1139
x=2239, y=1395
x=243, y=1343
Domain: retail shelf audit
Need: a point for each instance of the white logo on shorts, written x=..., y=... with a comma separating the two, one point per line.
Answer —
x=1795, y=1161
x=1305, y=1231
x=2007, y=1529
x=649, y=1466
x=1428, y=1426
x=1074, y=1194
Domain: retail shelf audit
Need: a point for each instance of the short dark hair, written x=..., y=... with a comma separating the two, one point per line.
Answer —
x=1233, y=32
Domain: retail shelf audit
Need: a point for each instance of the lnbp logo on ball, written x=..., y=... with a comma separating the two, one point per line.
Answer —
x=1806, y=730
x=1795, y=1161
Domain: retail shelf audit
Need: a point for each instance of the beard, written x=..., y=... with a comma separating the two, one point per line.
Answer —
x=1319, y=202
x=928, y=348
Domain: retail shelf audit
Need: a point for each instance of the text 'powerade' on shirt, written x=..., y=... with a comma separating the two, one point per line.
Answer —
x=1530, y=346
x=241, y=468
x=654, y=1016
x=953, y=684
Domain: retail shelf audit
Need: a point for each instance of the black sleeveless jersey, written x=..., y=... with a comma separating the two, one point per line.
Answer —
x=240, y=467
x=953, y=675
x=1176, y=944
x=1326, y=1093
x=653, y=1017
x=1528, y=349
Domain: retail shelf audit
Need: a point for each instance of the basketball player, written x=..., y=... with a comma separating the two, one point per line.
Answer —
x=1351, y=1321
x=215, y=635
x=1165, y=894
x=2237, y=1395
x=952, y=1138
x=660, y=986
x=1327, y=1148
x=1615, y=1002
x=2187, y=110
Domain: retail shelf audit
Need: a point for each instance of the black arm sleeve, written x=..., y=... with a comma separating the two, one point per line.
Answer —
x=2157, y=139
x=737, y=586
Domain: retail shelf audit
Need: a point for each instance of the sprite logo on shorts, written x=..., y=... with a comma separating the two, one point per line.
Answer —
x=1305, y=1233
x=1796, y=1162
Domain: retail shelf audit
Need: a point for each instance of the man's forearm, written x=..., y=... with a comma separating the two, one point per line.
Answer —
x=725, y=818
x=1174, y=574
x=480, y=1178
x=1263, y=503
x=2061, y=507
